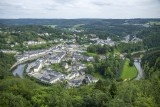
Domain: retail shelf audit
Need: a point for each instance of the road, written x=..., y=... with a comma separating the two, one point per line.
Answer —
x=138, y=52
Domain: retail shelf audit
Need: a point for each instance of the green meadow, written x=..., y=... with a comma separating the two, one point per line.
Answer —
x=128, y=72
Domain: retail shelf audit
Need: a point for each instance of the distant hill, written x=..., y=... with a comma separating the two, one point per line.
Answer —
x=67, y=22
x=60, y=22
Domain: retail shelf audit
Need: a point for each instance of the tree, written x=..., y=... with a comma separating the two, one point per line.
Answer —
x=100, y=85
x=10, y=100
x=90, y=69
x=156, y=89
x=131, y=63
x=96, y=59
x=113, y=90
x=91, y=49
x=84, y=81
x=108, y=72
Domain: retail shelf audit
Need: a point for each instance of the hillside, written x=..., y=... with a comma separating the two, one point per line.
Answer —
x=151, y=64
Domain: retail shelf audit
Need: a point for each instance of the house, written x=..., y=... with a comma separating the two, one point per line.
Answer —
x=80, y=66
x=92, y=35
x=66, y=65
x=38, y=66
x=76, y=74
x=50, y=78
x=54, y=60
x=23, y=58
x=35, y=42
x=91, y=79
x=90, y=59
x=102, y=57
x=82, y=72
x=135, y=40
x=61, y=55
x=77, y=56
x=54, y=79
x=122, y=56
x=94, y=39
x=75, y=83
x=70, y=76
x=58, y=58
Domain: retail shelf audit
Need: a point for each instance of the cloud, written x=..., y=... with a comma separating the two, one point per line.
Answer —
x=5, y=5
x=101, y=3
x=79, y=8
x=64, y=1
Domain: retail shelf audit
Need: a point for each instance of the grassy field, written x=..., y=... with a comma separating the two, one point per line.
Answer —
x=128, y=72
x=116, y=52
x=90, y=54
x=97, y=75
x=155, y=23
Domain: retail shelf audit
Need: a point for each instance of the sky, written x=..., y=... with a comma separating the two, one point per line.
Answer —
x=72, y=9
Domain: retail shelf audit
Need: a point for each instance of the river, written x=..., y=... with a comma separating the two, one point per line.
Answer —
x=140, y=71
x=19, y=70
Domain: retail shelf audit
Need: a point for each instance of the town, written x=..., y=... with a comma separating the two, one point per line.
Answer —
x=63, y=62
x=69, y=57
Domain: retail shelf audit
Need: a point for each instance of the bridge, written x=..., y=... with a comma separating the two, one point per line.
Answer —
x=137, y=59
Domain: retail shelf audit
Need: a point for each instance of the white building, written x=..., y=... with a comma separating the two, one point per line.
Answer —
x=54, y=60
x=54, y=79
x=92, y=79
x=80, y=66
x=35, y=42
x=70, y=76
x=38, y=66
x=66, y=65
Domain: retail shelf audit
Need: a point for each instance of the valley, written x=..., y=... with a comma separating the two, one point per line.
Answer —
x=79, y=63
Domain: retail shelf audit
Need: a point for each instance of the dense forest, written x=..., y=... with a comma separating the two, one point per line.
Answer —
x=150, y=36
x=151, y=64
x=6, y=61
x=19, y=35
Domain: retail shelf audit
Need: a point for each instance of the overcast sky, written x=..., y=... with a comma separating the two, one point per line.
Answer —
x=79, y=9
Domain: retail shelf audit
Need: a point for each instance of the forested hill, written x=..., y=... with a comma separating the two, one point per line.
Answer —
x=150, y=36
x=151, y=64
x=59, y=22
x=65, y=22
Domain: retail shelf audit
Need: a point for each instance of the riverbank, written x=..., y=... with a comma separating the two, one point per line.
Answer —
x=19, y=70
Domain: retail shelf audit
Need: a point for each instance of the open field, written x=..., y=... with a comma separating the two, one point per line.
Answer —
x=155, y=23
x=116, y=52
x=128, y=72
x=97, y=75
x=90, y=54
